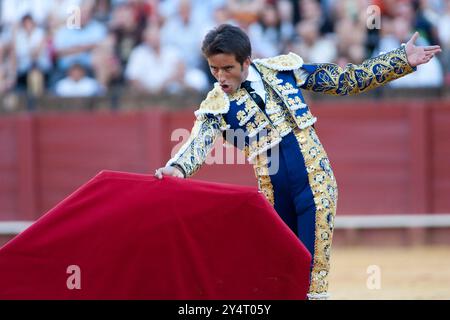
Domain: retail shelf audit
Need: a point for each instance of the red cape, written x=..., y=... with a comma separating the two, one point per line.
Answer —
x=136, y=237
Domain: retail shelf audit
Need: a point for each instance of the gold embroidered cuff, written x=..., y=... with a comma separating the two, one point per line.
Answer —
x=193, y=153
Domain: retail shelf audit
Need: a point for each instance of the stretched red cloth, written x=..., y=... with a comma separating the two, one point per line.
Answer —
x=133, y=236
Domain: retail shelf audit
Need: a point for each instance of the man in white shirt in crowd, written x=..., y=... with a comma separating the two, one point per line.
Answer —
x=154, y=67
x=77, y=84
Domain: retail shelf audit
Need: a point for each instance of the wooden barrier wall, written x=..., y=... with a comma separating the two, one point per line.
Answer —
x=387, y=157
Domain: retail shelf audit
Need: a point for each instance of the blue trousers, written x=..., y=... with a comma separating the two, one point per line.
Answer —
x=294, y=200
x=303, y=191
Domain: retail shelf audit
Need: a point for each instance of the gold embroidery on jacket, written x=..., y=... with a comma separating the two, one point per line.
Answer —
x=331, y=79
x=193, y=153
x=216, y=102
x=293, y=103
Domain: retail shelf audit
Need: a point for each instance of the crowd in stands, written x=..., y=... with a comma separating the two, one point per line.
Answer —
x=73, y=48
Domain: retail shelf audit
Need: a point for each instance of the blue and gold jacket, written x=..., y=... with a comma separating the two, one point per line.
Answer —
x=283, y=77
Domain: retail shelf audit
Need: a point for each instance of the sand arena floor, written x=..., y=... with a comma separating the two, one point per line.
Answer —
x=390, y=273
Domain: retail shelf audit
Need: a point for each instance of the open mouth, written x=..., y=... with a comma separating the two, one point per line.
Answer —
x=225, y=87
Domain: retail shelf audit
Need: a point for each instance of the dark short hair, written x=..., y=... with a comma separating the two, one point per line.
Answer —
x=227, y=39
x=26, y=17
x=77, y=65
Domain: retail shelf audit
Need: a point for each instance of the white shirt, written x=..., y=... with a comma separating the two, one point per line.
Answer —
x=86, y=87
x=150, y=69
x=25, y=44
x=185, y=38
x=256, y=82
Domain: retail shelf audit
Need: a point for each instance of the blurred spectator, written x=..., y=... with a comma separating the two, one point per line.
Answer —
x=201, y=9
x=311, y=47
x=265, y=34
x=105, y=62
x=311, y=10
x=60, y=11
x=7, y=69
x=286, y=16
x=184, y=33
x=350, y=42
x=13, y=11
x=155, y=67
x=31, y=54
x=127, y=32
x=400, y=31
x=354, y=10
x=102, y=11
x=151, y=66
x=245, y=12
x=443, y=27
x=418, y=13
x=350, y=31
x=145, y=12
x=220, y=16
x=77, y=84
x=74, y=45
x=387, y=7
x=108, y=42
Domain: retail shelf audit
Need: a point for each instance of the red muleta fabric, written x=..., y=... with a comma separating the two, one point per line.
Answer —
x=136, y=237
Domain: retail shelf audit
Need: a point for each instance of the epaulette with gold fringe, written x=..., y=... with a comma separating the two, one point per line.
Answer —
x=216, y=103
x=284, y=62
